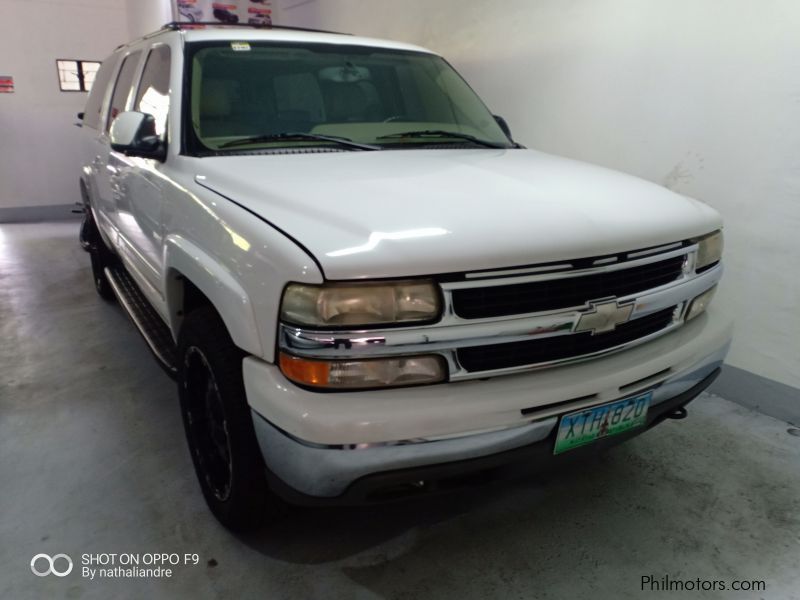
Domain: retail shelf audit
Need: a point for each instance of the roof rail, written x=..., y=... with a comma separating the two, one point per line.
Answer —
x=179, y=25
x=146, y=36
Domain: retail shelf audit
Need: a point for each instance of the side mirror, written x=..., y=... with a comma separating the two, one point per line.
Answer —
x=134, y=134
x=504, y=126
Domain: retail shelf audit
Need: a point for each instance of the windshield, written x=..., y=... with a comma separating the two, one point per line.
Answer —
x=371, y=96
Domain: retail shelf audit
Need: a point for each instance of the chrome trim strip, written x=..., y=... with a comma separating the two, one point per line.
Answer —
x=618, y=266
x=523, y=271
x=605, y=261
x=650, y=251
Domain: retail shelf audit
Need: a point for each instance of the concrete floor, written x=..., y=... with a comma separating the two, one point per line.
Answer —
x=92, y=460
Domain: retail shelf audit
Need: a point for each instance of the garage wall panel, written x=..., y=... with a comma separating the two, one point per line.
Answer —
x=38, y=163
x=146, y=16
x=701, y=96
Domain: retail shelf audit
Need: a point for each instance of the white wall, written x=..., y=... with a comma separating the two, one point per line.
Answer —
x=702, y=96
x=38, y=165
x=146, y=16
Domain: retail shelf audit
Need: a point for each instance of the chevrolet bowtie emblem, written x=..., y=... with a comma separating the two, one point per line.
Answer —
x=604, y=316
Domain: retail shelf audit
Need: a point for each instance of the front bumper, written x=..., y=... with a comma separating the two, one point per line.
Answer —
x=351, y=446
x=410, y=481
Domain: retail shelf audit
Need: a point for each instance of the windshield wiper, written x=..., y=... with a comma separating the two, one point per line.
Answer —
x=441, y=133
x=298, y=137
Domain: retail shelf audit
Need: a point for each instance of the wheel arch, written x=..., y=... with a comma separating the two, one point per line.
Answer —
x=193, y=279
x=83, y=183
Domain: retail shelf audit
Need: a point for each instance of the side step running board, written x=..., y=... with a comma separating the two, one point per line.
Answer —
x=153, y=329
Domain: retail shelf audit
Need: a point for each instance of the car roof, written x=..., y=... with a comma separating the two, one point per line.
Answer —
x=266, y=34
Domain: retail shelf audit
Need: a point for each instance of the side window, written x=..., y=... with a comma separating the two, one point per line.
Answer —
x=153, y=95
x=123, y=87
x=94, y=105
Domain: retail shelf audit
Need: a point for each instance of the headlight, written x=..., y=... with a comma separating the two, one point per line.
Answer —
x=360, y=374
x=360, y=304
x=709, y=250
x=700, y=303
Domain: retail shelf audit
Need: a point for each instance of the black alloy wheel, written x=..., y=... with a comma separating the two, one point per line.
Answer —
x=219, y=424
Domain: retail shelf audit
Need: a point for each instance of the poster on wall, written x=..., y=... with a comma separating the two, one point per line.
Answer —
x=232, y=12
x=6, y=84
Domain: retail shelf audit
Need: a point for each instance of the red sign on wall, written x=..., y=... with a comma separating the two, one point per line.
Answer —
x=6, y=84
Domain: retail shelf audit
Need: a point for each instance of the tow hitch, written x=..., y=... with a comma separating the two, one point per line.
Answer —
x=678, y=414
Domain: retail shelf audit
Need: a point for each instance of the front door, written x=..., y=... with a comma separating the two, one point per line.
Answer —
x=137, y=185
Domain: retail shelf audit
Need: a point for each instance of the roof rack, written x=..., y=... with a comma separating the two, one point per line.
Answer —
x=180, y=25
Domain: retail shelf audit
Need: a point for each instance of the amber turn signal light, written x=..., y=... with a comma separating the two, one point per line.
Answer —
x=360, y=374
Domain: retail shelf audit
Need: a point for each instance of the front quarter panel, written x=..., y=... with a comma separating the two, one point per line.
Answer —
x=237, y=260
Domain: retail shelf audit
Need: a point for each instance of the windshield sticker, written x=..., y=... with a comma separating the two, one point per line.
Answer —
x=240, y=46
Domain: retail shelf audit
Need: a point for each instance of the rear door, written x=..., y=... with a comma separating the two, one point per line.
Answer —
x=95, y=145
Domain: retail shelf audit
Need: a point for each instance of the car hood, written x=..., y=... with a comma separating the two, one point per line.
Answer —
x=399, y=213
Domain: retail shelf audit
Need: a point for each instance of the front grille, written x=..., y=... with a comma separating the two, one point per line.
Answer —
x=517, y=354
x=554, y=294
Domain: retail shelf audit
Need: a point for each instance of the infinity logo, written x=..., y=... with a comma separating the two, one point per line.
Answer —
x=51, y=561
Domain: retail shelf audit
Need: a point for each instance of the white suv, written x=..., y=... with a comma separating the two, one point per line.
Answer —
x=363, y=286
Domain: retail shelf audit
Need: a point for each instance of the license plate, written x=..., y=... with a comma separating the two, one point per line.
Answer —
x=585, y=426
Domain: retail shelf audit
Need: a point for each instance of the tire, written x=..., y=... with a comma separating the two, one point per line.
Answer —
x=219, y=425
x=101, y=257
